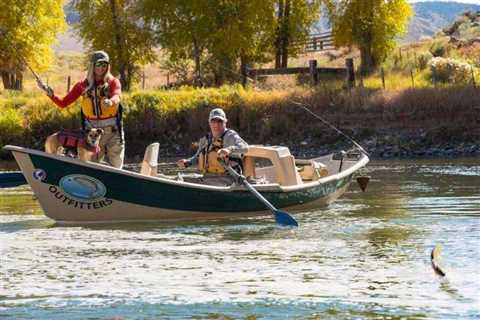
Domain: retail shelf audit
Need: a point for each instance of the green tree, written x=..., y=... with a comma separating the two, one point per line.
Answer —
x=223, y=36
x=117, y=27
x=28, y=28
x=294, y=19
x=371, y=25
x=181, y=27
x=244, y=34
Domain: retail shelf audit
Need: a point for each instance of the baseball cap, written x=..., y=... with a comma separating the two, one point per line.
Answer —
x=99, y=56
x=217, y=113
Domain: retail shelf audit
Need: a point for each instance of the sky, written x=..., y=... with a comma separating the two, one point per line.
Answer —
x=461, y=1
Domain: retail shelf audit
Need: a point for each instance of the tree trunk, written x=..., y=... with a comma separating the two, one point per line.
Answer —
x=196, y=55
x=119, y=43
x=6, y=80
x=285, y=34
x=12, y=80
x=278, y=41
x=19, y=81
x=368, y=62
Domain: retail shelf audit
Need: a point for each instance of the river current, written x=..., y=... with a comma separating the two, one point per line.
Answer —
x=366, y=256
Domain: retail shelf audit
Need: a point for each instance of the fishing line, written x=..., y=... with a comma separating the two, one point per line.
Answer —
x=302, y=105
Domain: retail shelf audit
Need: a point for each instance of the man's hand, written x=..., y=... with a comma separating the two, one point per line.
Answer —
x=223, y=153
x=108, y=102
x=183, y=163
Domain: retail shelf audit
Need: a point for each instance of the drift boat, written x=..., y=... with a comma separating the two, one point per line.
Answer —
x=73, y=191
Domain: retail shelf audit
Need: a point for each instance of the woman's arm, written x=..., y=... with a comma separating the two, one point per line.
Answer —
x=73, y=95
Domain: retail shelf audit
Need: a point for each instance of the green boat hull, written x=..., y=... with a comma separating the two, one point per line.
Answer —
x=72, y=191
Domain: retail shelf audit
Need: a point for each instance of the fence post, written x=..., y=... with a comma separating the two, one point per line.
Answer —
x=350, y=73
x=413, y=80
x=168, y=79
x=244, y=72
x=143, y=80
x=473, y=78
x=68, y=84
x=313, y=71
x=382, y=73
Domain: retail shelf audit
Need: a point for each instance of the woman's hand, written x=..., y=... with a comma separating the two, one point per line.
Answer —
x=45, y=88
x=108, y=102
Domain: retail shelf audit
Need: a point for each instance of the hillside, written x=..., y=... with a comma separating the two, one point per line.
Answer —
x=431, y=17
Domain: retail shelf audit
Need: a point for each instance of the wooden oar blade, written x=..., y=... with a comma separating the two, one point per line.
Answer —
x=284, y=219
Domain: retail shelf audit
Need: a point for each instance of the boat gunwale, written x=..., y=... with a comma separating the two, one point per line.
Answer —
x=271, y=187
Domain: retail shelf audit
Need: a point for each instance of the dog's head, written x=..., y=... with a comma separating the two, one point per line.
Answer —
x=93, y=136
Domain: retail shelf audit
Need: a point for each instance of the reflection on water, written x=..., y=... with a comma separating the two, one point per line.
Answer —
x=366, y=256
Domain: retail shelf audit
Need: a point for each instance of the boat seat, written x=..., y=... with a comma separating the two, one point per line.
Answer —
x=283, y=170
x=313, y=171
x=150, y=160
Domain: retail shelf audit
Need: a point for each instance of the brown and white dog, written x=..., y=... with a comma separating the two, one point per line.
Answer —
x=84, y=143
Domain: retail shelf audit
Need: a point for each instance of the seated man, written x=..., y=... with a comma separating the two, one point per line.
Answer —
x=221, y=143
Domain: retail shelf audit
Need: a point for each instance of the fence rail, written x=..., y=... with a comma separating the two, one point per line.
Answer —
x=312, y=69
x=316, y=42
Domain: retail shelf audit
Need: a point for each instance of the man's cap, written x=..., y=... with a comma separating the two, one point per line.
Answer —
x=100, y=56
x=217, y=113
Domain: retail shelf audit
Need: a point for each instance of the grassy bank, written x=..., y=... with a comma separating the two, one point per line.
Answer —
x=381, y=119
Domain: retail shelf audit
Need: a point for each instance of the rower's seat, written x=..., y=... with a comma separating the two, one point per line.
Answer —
x=283, y=170
x=150, y=160
x=311, y=170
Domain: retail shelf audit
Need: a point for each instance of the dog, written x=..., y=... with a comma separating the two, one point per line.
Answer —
x=82, y=144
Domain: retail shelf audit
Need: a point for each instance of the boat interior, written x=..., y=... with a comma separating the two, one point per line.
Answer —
x=266, y=165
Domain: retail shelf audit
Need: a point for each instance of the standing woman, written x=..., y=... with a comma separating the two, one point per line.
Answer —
x=101, y=93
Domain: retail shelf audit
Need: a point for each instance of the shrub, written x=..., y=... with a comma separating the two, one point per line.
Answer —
x=438, y=49
x=449, y=70
x=422, y=60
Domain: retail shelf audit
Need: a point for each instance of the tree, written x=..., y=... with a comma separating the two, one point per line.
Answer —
x=244, y=33
x=181, y=27
x=223, y=36
x=371, y=25
x=294, y=20
x=117, y=27
x=28, y=28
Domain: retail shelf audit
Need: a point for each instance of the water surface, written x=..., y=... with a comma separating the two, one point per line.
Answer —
x=364, y=257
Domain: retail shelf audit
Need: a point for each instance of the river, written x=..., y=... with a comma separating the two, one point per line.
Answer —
x=366, y=256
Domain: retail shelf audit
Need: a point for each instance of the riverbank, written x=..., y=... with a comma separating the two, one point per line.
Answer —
x=427, y=122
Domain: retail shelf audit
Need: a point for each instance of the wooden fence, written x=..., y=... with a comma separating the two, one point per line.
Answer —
x=316, y=42
x=312, y=69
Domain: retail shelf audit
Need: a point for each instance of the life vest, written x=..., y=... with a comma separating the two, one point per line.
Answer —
x=71, y=139
x=93, y=103
x=208, y=158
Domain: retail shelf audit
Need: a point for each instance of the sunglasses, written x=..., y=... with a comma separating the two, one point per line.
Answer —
x=101, y=64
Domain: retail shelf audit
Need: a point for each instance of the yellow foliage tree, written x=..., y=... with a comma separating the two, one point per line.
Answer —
x=28, y=28
x=117, y=27
x=371, y=25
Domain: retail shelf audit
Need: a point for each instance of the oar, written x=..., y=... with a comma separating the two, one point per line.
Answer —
x=281, y=217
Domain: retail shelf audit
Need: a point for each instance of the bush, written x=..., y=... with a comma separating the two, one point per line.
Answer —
x=422, y=60
x=438, y=49
x=449, y=70
x=11, y=131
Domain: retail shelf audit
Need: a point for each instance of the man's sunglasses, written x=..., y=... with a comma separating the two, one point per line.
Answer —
x=101, y=64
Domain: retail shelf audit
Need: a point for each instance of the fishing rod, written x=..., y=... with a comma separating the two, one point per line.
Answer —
x=302, y=105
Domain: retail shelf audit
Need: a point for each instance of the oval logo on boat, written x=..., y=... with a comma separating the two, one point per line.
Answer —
x=39, y=174
x=82, y=187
